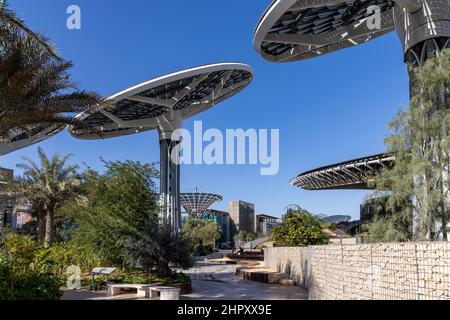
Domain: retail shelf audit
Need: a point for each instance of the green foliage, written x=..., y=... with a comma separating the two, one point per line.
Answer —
x=246, y=236
x=37, y=286
x=384, y=230
x=392, y=219
x=202, y=250
x=155, y=248
x=118, y=205
x=47, y=185
x=420, y=140
x=201, y=231
x=299, y=228
x=118, y=220
x=56, y=259
x=20, y=278
x=11, y=25
x=35, y=87
x=134, y=277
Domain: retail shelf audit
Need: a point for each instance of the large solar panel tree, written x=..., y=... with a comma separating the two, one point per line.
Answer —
x=163, y=104
x=353, y=174
x=293, y=30
x=22, y=138
x=197, y=203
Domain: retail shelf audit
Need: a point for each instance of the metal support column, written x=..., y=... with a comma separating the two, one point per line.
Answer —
x=170, y=183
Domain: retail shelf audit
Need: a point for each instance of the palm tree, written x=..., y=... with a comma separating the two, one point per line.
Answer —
x=9, y=22
x=35, y=87
x=49, y=184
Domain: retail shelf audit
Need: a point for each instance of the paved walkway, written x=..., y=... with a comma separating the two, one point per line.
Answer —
x=213, y=281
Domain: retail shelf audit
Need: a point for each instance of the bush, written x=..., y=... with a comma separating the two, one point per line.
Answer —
x=299, y=228
x=134, y=277
x=20, y=279
x=56, y=259
x=37, y=286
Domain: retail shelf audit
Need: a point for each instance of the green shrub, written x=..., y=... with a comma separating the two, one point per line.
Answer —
x=299, y=228
x=139, y=278
x=199, y=250
x=182, y=278
x=56, y=259
x=20, y=278
x=36, y=286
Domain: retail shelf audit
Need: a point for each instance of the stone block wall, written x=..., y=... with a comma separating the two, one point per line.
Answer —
x=369, y=271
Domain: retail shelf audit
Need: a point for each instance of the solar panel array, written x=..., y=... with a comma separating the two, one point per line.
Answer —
x=34, y=131
x=22, y=138
x=353, y=174
x=331, y=21
x=128, y=109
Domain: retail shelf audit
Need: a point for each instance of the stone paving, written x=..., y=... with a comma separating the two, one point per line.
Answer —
x=215, y=281
x=212, y=280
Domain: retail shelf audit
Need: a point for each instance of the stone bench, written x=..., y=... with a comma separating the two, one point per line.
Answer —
x=142, y=289
x=165, y=293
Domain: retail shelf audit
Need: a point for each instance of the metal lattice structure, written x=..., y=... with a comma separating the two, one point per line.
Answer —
x=337, y=219
x=197, y=203
x=19, y=138
x=291, y=30
x=353, y=174
x=163, y=104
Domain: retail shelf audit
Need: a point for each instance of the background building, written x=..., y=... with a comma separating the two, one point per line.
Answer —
x=242, y=215
x=265, y=223
x=223, y=220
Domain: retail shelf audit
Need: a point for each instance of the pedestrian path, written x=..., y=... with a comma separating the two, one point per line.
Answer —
x=215, y=281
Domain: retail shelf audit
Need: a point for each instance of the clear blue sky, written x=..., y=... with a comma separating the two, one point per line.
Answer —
x=328, y=109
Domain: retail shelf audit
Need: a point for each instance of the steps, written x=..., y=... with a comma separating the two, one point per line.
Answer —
x=264, y=276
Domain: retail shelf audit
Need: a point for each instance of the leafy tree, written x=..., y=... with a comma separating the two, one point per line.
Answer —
x=384, y=229
x=299, y=228
x=115, y=205
x=246, y=236
x=392, y=218
x=35, y=87
x=201, y=231
x=156, y=248
x=118, y=219
x=48, y=185
x=421, y=142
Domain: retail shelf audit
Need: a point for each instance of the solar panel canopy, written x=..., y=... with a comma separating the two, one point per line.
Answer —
x=152, y=104
x=352, y=174
x=291, y=30
x=198, y=203
x=337, y=219
x=22, y=138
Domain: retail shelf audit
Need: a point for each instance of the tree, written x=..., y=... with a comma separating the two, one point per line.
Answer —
x=48, y=185
x=201, y=231
x=155, y=248
x=392, y=216
x=118, y=219
x=299, y=228
x=35, y=87
x=10, y=23
x=421, y=142
x=116, y=204
x=246, y=236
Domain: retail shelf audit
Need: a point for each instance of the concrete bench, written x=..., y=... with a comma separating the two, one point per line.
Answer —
x=165, y=293
x=142, y=289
